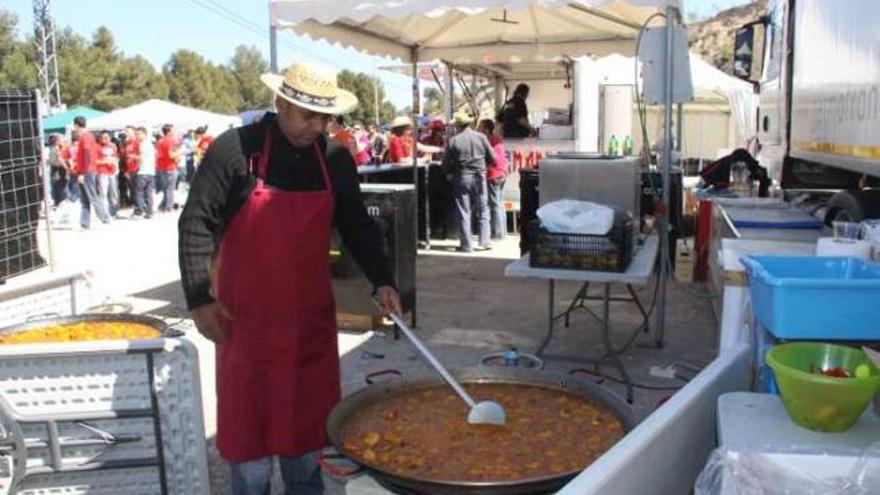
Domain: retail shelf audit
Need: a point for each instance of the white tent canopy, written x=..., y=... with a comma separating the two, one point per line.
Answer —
x=156, y=113
x=709, y=83
x=472, y=31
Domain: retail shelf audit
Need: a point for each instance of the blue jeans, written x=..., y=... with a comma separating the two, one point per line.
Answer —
x=167, y=183
x=72, y=187
x=301, y=476
x=144, y=191
x=496, y=208
x=109, y=190
x=91, y=199
x=469, y=189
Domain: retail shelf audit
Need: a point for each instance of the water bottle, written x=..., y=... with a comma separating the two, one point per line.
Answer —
x=612, y=146
x=627, y=145
x=511, y=357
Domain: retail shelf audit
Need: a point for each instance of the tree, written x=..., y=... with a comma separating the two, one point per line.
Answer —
x=246, y=66
x=194, y=82
x=16, y=58
x=135, y=81
x=364, y=87
x=433, y=102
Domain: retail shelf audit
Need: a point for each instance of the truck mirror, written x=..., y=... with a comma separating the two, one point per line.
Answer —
x=748, y=51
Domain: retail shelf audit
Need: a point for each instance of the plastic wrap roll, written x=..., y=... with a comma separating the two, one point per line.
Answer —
x=830, y=246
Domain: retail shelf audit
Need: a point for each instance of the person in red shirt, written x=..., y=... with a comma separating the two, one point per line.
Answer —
x=343, y=135
x=168, y=154
x=130, y=155
x=203, y=141
x=68, y=159
x=87, y=172
x=108, y=173
x=400, y=146
x=496, y=174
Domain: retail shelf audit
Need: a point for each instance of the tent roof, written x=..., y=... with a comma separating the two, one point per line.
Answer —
x=63, y=119
x=709, y=82
x=472, y=31
x=155, y=113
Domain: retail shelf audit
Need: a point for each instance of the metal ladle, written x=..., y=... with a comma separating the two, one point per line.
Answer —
x=485, y=412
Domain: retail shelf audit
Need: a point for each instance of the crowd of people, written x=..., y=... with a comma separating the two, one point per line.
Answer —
x=474, y=161
x=105, y=172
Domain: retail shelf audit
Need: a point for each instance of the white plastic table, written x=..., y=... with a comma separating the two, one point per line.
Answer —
x=639, y=273
x=757, y=424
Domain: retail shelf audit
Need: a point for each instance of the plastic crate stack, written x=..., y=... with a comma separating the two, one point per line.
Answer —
x=21, y=184
x=809, y=298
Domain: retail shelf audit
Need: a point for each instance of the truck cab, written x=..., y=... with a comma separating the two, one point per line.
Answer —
x=815, y=65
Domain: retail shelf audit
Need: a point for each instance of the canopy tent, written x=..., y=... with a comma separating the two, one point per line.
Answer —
x=716, y=119
x=58, y=123
x=473, y=31
x=153, y=114
x=490, y=32
x=709, y=82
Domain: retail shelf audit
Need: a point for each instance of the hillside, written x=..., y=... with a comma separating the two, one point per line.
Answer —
x=712, y=39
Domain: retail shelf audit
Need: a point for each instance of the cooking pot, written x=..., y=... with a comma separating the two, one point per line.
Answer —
x=378, y=392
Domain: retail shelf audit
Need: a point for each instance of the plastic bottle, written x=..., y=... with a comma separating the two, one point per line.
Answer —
x=627, y=145
x=613, y=146
x=511, y=357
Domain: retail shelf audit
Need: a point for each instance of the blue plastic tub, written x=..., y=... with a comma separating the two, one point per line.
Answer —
x=816, y=298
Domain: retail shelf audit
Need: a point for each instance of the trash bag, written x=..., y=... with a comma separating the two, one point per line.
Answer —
x=569, y=216
x=795, y=472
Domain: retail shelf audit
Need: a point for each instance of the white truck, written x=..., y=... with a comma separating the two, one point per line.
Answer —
x=816, y=67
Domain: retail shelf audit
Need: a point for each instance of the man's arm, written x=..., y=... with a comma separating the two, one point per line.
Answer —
x=203, y=217
x=490, y=153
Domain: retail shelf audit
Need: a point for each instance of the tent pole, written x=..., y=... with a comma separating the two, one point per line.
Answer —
x=426, y=244
x=679, y=123
x=273, y=49
x=667, y=162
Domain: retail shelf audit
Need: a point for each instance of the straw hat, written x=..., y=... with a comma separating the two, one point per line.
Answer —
x=311, y=87
x=401, y=121
x=462, y=119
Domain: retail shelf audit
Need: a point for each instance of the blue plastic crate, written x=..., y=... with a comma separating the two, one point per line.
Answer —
x=817, y=298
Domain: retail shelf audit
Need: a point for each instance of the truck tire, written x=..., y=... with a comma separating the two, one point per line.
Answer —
x=853, y=206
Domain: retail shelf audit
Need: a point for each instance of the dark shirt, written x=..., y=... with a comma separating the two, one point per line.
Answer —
x=223, y=182
x=467, y=151
x=511, y=112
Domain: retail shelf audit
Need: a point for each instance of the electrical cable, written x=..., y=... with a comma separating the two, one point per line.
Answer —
x=604, y=376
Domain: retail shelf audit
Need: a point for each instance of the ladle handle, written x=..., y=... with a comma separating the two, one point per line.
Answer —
x=431, y=359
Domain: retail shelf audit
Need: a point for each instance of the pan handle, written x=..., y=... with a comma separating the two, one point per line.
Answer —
x=585, y=371
x=335, y=470
x=371, y=377
x=41, y=316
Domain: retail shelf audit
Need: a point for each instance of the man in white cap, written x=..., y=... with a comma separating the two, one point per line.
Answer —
x=254, y=260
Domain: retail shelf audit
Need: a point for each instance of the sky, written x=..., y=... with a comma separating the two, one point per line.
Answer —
x=214, y=28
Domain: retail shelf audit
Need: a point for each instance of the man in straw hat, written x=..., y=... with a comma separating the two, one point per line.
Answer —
x=466, y=157
x=254, y=259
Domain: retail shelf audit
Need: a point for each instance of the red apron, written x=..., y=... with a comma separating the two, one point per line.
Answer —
x=278, y=374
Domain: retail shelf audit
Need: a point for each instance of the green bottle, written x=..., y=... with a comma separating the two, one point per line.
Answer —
x=627, y=145
x=613, y=146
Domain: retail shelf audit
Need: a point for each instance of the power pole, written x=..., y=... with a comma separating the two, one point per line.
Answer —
x=47, y=56
x=376, y=98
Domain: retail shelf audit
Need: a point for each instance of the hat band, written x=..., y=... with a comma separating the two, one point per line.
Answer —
x=310, y=99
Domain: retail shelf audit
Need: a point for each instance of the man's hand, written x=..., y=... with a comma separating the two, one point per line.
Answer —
x=81, y=179
x=389, y=300
x=209, y=320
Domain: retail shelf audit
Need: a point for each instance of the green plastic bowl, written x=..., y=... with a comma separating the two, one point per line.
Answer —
x=819, y=402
